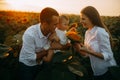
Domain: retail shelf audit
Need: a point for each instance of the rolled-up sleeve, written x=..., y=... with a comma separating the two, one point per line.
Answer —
x=104, y=44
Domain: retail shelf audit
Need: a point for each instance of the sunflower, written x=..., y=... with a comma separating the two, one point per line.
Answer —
x=73, y=36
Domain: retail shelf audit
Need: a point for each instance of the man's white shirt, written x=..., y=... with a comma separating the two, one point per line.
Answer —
x=33, y=41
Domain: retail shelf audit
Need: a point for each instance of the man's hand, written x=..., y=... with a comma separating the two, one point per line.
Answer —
x=41, y=54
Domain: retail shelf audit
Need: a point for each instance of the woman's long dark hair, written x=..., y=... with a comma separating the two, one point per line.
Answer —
x=95, y=18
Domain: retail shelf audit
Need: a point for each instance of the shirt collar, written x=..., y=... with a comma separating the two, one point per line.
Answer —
x=93, y=30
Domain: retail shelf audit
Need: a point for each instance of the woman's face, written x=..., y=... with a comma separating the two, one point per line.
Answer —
x=85, y=21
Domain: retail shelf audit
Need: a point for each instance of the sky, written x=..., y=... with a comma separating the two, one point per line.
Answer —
x=104, y=7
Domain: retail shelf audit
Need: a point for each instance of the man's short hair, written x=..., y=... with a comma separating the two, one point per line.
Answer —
x=47, y=14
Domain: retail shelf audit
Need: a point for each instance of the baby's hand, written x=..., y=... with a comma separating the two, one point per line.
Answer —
x=67, y=46
x=54, y=37
x=55, y=45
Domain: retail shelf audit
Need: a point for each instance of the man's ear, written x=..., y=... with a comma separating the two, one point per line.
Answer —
x=44, y=24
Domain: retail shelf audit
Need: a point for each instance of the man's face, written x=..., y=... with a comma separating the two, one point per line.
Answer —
x=53, y=24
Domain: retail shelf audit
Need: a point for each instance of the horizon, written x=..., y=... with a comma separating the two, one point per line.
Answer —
x=59, y=13
x=68, y=7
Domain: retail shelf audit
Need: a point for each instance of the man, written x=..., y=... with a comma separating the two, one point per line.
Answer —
x=34, y=40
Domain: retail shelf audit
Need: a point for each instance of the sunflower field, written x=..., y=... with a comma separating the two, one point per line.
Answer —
x=13, y=24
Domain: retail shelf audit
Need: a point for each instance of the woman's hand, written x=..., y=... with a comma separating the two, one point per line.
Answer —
x=79, y=47
x=83, y=48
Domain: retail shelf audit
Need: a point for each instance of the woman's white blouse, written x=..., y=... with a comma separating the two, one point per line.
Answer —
x=97, y=40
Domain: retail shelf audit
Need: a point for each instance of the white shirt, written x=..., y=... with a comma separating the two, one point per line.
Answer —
x=33, y=41
x=97, y=39
x=62, y=36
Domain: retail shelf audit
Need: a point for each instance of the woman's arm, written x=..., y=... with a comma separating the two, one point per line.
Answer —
x=99, y=55
x=104, y=44
x=84, y=51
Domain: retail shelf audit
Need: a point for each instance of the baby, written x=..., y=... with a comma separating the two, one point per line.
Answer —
x=58, y=40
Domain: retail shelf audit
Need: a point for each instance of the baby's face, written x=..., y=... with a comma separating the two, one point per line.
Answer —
x=64, y=24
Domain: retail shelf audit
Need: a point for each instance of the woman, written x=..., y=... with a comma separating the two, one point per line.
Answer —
x=96, y=43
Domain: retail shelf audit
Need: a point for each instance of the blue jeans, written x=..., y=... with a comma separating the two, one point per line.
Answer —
x=28, y=72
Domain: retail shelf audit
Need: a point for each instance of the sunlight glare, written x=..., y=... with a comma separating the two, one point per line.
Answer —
x=16, y=4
